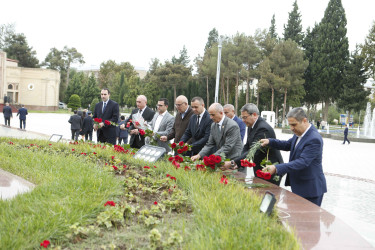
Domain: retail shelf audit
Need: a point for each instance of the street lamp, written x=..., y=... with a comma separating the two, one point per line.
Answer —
x=218, y=70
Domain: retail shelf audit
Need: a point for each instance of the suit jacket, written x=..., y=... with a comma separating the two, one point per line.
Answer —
x=198, y=136
x=242, y=126
x=304, y=169
x=180, y=125
x=88, y=124
x=7, y=110
x=22, y=112
x=111, y=113
x=121, y=133
x=75, y=122
x=137, y=141
x=165, y=127
x=226, y=140
x=261, y=130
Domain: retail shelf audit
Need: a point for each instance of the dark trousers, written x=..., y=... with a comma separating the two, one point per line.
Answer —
x=75, y=134
x=24, y=124
x=88, y=135
x=7, y=121
x=123, y=139
x=346, y=139
x=316, y=200
x=103, y=139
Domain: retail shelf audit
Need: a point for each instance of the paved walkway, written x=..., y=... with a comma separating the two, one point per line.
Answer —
x=349, y=169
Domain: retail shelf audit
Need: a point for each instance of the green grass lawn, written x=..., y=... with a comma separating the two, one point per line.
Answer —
x=194, y=212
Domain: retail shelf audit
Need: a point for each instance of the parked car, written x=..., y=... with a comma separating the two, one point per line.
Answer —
x=62, y=105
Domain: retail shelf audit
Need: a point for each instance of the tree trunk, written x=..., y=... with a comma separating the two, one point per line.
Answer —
x=227, y=91
x=236, y=95
x=272, y=97
x=326, y=106
x=208, y=93
x=67, y=77
x=257, y=94
x=284, y=108
x=174, y=95
x=223, y=89
x=247, y=90
x=276, y=115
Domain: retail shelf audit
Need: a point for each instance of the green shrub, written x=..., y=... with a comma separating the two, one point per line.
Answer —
x=74, y=102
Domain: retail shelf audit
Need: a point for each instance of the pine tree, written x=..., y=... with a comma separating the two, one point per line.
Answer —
x=368, y=52
x=75, y=86
x=90, y=91
x=293, y=30
x=330, y=54
x=272, y=29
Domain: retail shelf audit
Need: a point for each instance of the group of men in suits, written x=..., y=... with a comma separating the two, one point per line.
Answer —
x=213, y=131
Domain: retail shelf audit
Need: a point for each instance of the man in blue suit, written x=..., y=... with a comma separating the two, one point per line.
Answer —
x=304, y=169
x=22, y=112
x=199, y=127
x=229, y=112
x=106, y=110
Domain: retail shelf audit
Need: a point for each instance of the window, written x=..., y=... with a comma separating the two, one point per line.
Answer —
x=10, y=86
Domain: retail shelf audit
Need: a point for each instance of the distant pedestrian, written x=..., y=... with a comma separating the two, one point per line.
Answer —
x=323, y=123
x=346, y=130
x=76, y=125
x=22, y=112
x=122, y=135
x=88, y=126
x=318, y=124
x=7, y=110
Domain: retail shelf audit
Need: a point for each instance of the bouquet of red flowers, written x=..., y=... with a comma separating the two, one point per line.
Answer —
x=181, y=147
x=213, y=161
x=97, y=120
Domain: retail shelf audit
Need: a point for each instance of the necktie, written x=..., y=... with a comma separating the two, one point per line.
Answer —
x=104, y=105
x=218, y=125
x=198, y=120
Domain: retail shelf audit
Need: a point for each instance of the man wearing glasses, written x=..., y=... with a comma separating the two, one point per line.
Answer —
x=257, y=129
x=162, y=123
x=181, y=121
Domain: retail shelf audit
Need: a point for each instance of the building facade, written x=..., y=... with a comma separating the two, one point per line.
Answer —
x=36, y=88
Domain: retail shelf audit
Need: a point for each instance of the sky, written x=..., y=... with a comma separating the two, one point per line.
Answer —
x=137, y=31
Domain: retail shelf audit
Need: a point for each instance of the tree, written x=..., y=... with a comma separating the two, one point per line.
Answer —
x=75, y=87
x=368, y=52
x=110, y=71
x=183, y=59
x=6, y=31
x=93, y=103
x=17, y=48
x=293, y=29
x=272, y=30
x=74, y=102
x=330, y=54
x=89, y=91
x=213, y=38
x=354, y=96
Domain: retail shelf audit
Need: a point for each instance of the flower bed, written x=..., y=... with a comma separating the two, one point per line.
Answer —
x=163, y=206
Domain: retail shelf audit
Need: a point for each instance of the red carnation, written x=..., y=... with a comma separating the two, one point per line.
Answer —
x=155, y=202
x=110, y=203
x=137, y=123
x=142, y=132
x=128, y=124
x=181, y=143
x=168, y=175
x=171, y=158
x=124, y=166
x=146, y=167
x=115, y=168
x=107, y=122
x=185, y=148
x=224, y=180
x=217, y=159
x=179, y=151
x=187, y=168
x=173, y=145
x=45, y=243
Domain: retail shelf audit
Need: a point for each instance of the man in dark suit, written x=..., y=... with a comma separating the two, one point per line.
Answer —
x=224, y=137
x=22, y=112
x=106, y=110
x=346, y=130
x=229, y=112
x=304, y=169
x=137, y=140
x=75, y=125
x=181, y=121
x=199, y=127
x=257, y=129
x=7, y=110
x=88, y=126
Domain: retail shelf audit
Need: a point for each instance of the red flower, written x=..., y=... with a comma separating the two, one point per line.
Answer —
x=48, y=144
x=115, y=168
x=263, y=175
x=179, y=158
x=98, y=120
x=175, y=163
x=137, y=123
x=217, y=159
x=181, y=143
x=200, y=167
x=142, y=132
x=155, y=202
x=124, y=166
x=107, y=122
x=173, y=178
x=168, y=175
x=13, y=143
x=173, y=145
x=185, y=148
x=171, y=158
x=224, y=180
x=110, y=203
x=146, y=167
x=246, y=163
x=155, y=167
x=187, y=168
x=128, y=124
x=45, y=243
x=179, y=151
x=94, y=153
x=73, y=149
